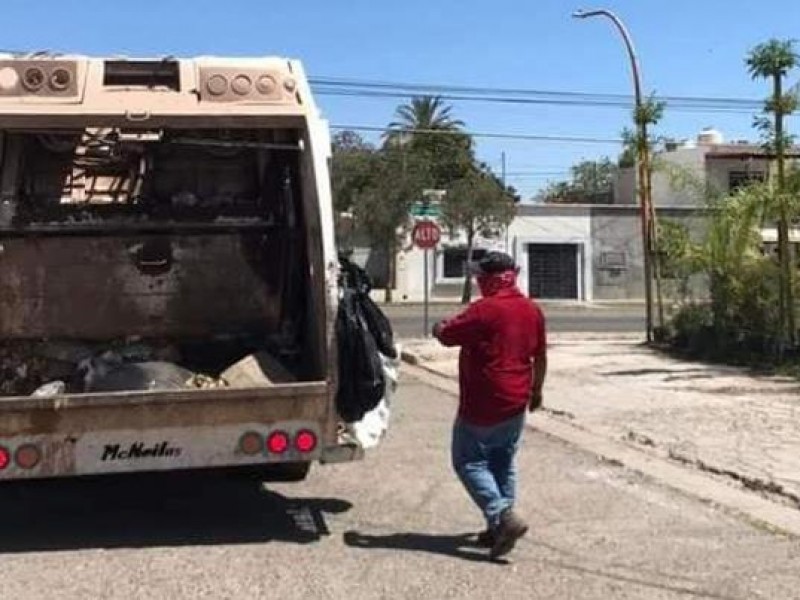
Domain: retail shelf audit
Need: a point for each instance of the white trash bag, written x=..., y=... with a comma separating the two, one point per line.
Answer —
x=370, y=430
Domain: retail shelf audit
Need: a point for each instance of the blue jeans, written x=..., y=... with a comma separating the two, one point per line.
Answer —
x=483, y=458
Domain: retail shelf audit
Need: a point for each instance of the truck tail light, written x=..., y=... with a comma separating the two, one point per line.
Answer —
x=33, y=79
x=60, y=80
x=5, y=458
x=251, y=443
x=305, y=441
x=27, y=456
x=278, y=442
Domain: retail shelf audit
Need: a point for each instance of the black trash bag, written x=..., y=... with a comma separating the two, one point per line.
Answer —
x=355, y=278
x=379, y=326
x=362, y=383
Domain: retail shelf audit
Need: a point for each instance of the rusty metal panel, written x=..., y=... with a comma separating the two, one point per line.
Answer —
x=110, y=287
x=75, y=415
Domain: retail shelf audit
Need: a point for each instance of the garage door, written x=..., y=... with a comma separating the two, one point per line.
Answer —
x=553, y=271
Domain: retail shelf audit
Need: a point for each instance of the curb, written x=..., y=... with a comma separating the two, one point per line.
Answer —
x=748, y=505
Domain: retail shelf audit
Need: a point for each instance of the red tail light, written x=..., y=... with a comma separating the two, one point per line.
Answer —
x=278, y=442
x=305, y=441
x=27, y=456
x=5, y=458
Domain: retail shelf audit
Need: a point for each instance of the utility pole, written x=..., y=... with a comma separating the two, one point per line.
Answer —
x=783, y=223
x=503, y=176
x=643, y=164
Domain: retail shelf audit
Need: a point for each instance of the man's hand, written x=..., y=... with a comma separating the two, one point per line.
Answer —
x=437, y=328
x=535, y=403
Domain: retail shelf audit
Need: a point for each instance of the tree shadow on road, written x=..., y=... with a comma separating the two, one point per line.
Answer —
x=155, y=510
x=461, y=546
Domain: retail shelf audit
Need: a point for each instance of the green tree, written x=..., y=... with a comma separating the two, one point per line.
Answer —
x=382, y=208
x=425, y=126
x=426, y=113
x=352, y=174
x=591, y=181
x=742, y=319
x=477, y=204
x=352, y=168
x=774, y=60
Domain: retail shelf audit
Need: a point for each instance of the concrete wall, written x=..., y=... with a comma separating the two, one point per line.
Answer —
x=689, y=162
x=618, y=266
x=625, y=186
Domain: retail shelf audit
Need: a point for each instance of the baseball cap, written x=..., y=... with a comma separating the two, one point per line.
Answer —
x=492, y=262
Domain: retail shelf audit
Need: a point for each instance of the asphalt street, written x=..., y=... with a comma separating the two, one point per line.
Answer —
x=395, y=526
x=408, y=320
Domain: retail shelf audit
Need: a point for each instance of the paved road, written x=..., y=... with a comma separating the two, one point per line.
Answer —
x=408, y=319
x=395, y=526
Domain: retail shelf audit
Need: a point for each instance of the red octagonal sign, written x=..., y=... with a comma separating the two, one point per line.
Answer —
x=426, y=235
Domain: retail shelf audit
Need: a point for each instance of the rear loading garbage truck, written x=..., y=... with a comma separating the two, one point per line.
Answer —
x=168, y=275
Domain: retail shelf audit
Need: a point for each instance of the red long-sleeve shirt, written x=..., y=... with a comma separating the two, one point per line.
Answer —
x=500, y=337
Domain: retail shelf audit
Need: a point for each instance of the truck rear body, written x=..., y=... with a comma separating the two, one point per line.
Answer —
x=169, y=217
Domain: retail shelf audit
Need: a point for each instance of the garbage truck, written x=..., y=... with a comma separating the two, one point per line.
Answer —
x=168, y=273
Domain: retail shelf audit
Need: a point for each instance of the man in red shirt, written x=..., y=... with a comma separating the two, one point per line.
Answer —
x=502, y=367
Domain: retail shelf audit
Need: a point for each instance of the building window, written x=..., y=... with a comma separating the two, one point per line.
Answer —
x=740, y=179
x=454, y=261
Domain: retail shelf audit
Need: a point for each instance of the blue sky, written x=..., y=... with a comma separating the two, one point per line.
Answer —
x=686, y=48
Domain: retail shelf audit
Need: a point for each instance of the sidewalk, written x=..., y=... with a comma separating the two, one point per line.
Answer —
x=721, y=420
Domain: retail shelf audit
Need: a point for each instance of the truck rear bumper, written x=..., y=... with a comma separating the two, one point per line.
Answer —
x=121, y=433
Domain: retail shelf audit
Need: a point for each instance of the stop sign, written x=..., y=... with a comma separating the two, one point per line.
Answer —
x=426, y=235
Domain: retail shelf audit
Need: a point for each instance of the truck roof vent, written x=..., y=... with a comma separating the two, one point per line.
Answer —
x=142, y=73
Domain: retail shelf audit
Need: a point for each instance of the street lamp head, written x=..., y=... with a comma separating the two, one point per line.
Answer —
x=584, y=14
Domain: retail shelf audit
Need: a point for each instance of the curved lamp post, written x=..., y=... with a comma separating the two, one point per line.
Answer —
x=642, y=160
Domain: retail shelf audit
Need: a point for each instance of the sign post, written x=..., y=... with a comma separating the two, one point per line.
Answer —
x=426, y=236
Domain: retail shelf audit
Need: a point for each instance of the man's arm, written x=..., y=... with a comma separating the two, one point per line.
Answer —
x=539, y=365
x=539, y=374
x=461, y=329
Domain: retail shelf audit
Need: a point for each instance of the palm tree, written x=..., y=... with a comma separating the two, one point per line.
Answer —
x=425, y=113
x=773, y=60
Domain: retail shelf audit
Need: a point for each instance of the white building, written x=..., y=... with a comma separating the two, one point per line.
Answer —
x=707, y=162
x=565, y=252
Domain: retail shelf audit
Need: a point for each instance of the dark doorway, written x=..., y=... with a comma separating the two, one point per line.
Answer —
x=553, y=271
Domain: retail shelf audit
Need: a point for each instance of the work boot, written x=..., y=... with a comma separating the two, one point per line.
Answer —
x=510, y=529
x=485, y=539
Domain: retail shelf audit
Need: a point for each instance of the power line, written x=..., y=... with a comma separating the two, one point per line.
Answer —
x=385, y=89
x=338, y=81
x=400, y=95
x=483, y=134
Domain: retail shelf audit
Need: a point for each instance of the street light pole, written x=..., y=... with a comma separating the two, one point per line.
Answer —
x=642, y=160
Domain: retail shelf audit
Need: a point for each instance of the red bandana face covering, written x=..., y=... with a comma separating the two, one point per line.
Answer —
x=491, y=284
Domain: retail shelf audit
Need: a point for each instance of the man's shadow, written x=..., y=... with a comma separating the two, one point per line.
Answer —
x=463, y=546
